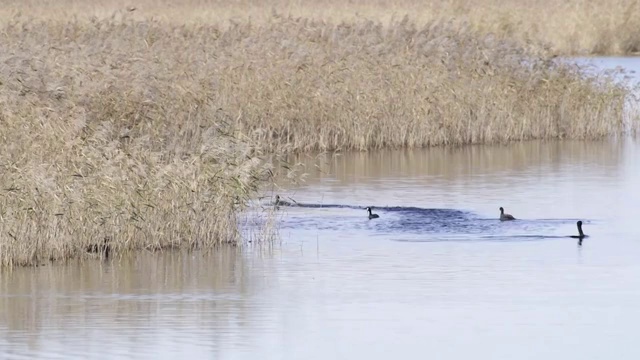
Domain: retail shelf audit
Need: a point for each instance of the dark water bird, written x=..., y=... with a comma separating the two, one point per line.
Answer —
x=505, y=217
x=281, y=202
x=103, y=249
x=372, y=216
x=581, y=235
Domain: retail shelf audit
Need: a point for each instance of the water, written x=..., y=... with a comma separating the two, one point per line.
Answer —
x=629, y=65
x=436, y=276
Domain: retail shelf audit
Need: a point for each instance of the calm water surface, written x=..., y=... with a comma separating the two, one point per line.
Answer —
x=436, y=276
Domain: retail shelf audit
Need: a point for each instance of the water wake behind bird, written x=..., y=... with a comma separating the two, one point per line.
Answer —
x=417, y=224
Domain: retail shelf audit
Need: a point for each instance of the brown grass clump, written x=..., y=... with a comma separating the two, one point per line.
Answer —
x=106, y=145
x=131, y=133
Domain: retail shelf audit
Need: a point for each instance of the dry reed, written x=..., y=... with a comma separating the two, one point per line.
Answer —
x=573, y=27
x=311, y=85
x=104, y=143
x=148, y=134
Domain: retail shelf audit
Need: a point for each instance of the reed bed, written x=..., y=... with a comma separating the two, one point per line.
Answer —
x=572, y=27
x=107, y=147
x=123, y=133
x=307, y=85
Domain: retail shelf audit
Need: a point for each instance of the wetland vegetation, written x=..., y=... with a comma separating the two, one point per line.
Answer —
x=152, y=126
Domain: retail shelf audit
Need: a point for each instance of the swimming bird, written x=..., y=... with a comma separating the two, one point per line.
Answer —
x=505, y=217
x=104, y=249
x=580, y=235
x=372, y=216
x=280, y=202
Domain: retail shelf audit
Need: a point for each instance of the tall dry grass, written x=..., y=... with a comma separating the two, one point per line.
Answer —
x=573, y=27
x=148, y=134
x=313, y=85
x=105, y=142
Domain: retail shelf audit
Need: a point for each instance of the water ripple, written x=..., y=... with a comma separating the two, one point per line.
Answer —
x=450, y=224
